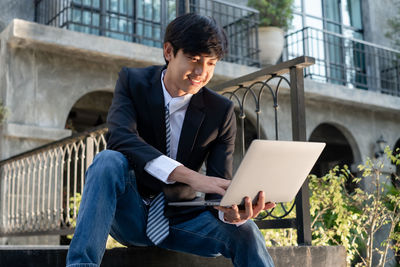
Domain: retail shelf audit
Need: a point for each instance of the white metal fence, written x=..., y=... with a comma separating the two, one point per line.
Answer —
x=39, y=189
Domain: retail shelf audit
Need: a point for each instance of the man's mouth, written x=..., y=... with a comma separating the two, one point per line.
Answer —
x=195, y=81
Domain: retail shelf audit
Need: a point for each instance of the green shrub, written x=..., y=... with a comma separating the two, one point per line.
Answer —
x=278, y=13
x=3, y=112
x=352, y=219
x=76, y=200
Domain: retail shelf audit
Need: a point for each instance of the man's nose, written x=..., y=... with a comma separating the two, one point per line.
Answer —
x=199, y=69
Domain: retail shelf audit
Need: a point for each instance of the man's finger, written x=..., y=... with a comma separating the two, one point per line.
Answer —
x=226, y=185
x=261, y=198
x=232, y=209
x=260, y=203
x=223, y=209
x=269, y=205
x=220, y=191
x=248, y=213
x=223, y=183
x=235, y=208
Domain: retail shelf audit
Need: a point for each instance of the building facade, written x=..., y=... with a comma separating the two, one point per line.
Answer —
x=59, y=61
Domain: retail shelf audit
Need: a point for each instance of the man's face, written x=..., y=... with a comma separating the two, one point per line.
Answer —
x=187, y=74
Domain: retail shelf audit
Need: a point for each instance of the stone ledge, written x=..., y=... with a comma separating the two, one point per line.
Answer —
x=25, y=34
x=341, y=94
x=309, y=256
x=34, y=132
x=301, y=256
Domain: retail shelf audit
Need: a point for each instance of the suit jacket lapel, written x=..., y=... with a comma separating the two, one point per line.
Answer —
x=191, y=125
x=155, y=101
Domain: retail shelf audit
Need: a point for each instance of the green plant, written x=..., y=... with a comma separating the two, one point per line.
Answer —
x=3, y=112
x=278, y=13
x=281, y=237
x=352, y=219
x=75, y=201
x=333, y=217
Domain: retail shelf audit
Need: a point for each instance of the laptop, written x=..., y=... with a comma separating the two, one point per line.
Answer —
x=279, y=168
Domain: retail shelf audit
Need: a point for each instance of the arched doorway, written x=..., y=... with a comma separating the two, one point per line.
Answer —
x=338, y=150
x=89, y=111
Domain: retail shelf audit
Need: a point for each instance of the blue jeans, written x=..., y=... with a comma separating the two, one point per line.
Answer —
x=112, y=204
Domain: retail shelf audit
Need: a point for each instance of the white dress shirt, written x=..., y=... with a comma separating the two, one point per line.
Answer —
x=162, y=166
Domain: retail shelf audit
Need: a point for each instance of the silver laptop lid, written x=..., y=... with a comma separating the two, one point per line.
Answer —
x=279, y=168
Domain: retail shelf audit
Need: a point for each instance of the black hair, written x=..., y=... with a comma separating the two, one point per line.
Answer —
x=196, y=34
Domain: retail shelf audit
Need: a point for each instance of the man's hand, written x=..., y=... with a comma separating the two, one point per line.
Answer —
x=236, y=215
x=199, y=182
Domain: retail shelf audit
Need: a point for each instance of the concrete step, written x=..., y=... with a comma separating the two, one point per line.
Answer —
x=54, y=256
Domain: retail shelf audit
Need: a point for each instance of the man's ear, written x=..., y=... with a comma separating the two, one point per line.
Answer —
x=168, y=51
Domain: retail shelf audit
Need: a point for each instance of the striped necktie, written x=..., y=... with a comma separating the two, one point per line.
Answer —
x=157, y=223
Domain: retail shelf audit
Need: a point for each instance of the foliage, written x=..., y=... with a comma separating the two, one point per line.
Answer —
x=333, y=217
x=352, y=219
x=3, y=112
x=281, y=237
x=278, y=13
x=394, y=28
x=76, y=200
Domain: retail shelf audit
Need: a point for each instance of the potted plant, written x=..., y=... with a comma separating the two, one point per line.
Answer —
x=275, y=18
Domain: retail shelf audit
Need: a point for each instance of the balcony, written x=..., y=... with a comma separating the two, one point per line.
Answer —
x=145, y=22
x=346, y=61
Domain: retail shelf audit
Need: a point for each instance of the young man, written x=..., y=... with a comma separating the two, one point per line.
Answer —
x=163, y=124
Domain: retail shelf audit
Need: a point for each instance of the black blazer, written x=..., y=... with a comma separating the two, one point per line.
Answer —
x=136, y=123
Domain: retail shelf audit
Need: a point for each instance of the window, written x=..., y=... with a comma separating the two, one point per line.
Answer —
x=145, y=21
x=140, y=21
x=240, y=25
x=322, y=29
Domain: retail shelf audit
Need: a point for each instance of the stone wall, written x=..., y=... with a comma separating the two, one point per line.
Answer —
x=155, y=257
x=15, y=9
x=375, y=16
x=46, y=70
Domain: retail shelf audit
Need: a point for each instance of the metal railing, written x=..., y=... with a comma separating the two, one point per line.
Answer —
x=249, y=93
x=144, y=22
x=240, y=24
x=346, y=61
x=136, y=21
x=39, y=188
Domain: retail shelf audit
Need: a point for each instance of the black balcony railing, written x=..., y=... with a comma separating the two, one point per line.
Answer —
x=144, y=22
x=346, y=61
x=240, y=24
x=130, y=20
